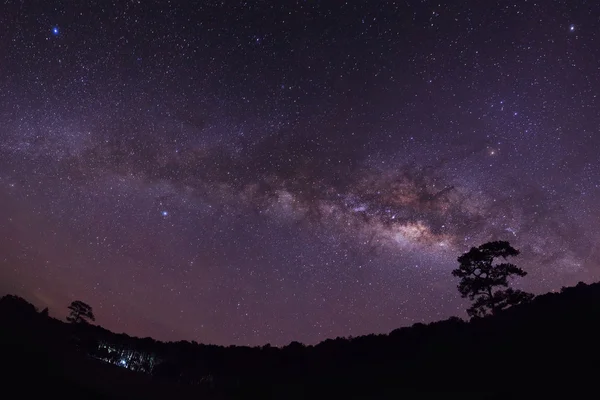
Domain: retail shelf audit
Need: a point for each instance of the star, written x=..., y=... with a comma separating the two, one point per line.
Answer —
x=55, y=31
x=164, y=213
x=572, y=28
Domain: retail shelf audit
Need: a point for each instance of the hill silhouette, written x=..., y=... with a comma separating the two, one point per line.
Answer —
x=547, y=345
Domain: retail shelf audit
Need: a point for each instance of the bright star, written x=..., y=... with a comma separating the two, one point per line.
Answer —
x=55, y=31
x=572, y=28
x=164, y=213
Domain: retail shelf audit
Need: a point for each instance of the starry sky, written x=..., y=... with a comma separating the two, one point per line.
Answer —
x=251, y=172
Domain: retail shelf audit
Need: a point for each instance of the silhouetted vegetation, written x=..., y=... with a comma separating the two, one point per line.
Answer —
x=80, y=313
x=480, y=279
x=547, y=344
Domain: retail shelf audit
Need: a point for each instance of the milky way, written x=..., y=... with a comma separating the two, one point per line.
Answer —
x=254, y=172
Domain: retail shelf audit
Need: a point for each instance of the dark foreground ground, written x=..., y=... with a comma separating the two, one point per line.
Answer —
x=547, y=349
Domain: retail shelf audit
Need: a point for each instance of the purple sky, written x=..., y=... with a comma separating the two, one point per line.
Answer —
x=253, y=172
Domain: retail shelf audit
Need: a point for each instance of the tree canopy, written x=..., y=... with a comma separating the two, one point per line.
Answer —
x=482, y=280
x=80, y=312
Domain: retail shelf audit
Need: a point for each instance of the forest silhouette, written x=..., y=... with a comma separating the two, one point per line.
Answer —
x=514, y=344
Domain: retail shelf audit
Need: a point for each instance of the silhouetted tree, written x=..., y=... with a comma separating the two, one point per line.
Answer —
x=44, y=312
x=480, y=278
x=80, y=312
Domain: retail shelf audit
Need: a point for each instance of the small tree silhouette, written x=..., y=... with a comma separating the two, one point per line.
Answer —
x=80, y=313
x=480, y=278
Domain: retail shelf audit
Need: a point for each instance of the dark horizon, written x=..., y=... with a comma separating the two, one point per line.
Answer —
x=543, y=345
x=254, y=173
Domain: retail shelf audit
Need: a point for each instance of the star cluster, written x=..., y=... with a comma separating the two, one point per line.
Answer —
x=253, y=172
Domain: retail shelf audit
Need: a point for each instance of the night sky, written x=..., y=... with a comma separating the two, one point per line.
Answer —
x=262, y=171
